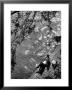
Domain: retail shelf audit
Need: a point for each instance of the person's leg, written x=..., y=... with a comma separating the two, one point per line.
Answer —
x=48, y=65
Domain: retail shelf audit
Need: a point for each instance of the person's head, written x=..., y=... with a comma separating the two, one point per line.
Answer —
x=53, y=61
x=47, y=56
x=44, y=62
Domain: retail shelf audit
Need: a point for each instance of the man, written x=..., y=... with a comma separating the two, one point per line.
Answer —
x=42, y=65
x=48, y=62
x=54, y=64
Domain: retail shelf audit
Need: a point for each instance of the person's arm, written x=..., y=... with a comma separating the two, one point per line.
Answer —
x=38, y=65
